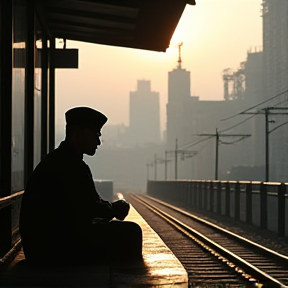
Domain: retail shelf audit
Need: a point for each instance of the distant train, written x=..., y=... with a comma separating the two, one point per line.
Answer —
x=105, y=189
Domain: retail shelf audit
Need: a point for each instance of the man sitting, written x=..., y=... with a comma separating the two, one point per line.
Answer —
x=63, y=219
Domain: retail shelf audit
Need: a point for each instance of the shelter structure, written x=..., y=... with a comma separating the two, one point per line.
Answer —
x=28, y=59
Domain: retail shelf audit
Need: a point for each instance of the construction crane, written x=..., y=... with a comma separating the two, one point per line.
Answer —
x=234, y=83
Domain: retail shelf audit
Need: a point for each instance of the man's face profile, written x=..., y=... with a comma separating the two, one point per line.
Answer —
x=83, y=129
x=90, y=140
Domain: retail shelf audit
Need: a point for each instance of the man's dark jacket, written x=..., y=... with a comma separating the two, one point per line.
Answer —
x=58, y=205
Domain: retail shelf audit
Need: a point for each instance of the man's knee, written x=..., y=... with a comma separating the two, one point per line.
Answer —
x=133, y=229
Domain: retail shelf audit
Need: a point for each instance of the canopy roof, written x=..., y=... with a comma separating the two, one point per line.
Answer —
x=143, y=24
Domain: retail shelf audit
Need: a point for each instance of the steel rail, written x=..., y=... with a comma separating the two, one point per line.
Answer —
x=238, y=261
x=239, y=238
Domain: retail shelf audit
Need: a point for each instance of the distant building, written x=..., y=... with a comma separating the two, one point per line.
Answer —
x=144, y=121
x=266, y=74
x=188, y=117
x=254, y=77
x=275, y=46
x=115, y=135
x=255, y=95
x=128, y=151
x=203, y=117
x=126, y=167
x=275, y=67
x=178, y=96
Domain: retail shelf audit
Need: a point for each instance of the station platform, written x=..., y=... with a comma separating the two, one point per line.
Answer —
x=159, y=268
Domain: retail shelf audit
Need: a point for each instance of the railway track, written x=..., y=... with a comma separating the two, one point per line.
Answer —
x=210, y=253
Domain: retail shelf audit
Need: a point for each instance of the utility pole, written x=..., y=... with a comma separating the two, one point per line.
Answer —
x=147, y=171
x=155, y=162
x=166, y=165
x=188, y=154
x=267, y=111
x=217, y=136
x=148, y=165
x=166, y=161
x=216, y=154
x=176, y=160
x=175, y=152
x=155, y=167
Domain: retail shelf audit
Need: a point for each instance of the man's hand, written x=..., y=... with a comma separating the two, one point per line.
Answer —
x=121, y=209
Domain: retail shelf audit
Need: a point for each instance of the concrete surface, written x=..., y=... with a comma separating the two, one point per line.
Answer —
x=159, y=268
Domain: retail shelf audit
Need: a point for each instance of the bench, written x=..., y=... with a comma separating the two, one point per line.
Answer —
x=159, y=267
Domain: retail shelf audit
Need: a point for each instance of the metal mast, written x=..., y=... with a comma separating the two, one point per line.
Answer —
x=179, y=54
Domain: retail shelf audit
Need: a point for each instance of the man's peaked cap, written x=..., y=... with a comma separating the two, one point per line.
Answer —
x=87, y=117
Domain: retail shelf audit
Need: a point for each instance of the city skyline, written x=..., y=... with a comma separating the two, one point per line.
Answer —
x=215, y=37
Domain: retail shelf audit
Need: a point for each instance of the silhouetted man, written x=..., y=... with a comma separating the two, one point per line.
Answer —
x=63, y=218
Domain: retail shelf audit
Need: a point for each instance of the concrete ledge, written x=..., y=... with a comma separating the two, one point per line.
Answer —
x=97, y=276
x=159, y=267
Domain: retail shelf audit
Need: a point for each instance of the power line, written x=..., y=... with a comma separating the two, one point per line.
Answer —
x=217, y=135
x=255, y=105
x=285, y=100
x=254, y=114
x=194, y=143
x=239, y=123
x=267, y=113
x=230, y=143
x=278, y=127
x=203, y=147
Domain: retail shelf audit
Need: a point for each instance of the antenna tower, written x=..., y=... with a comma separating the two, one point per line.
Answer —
x=179, y=57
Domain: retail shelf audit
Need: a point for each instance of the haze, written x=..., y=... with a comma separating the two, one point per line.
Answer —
x=216, y=35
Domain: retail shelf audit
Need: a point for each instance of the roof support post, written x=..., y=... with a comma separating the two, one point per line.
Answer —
x=51, y=98
x=6, y=41
x=44, y=100
x=29, y=93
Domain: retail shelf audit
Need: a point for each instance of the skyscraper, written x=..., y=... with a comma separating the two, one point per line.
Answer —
x=188, y=117
x=144, y=124
x=275, y=70
x=178, y=96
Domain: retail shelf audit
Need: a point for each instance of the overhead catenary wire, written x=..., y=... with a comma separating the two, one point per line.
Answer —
x=255, y=106
x=267, y=113
x=275, y=128
x=239, y=123
x=285, y=100
x=217, y=135
x=194, y=143
x=260, y=111
x=230, y=143
x=203, y=147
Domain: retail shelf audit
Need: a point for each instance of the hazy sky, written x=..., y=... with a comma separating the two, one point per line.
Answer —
x=216, y=34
